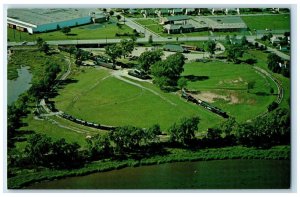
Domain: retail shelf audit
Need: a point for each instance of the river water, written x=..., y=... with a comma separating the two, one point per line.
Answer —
x=222, y=174
x=19, y=85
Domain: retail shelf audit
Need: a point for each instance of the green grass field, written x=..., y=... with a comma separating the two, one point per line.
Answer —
x=225, y=85
x=268, y=22
x=104, y=99
x=86, y=32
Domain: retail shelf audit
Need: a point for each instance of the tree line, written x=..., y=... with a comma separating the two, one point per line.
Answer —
x=134, y=142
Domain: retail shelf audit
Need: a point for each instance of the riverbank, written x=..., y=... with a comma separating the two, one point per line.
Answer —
x=26, y=177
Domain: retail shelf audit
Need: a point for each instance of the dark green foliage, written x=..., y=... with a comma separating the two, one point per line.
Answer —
x=272, y=106
x=118, y=17
x=250, y=85
x=150, y=39
x=148, y=58
x=264, y=132
x=184, y=132
x=127, y=46
x=182, y=82
x=41, y=87
x=38, y=149
x=167, y=72
x=99, y=146
x=234, y=52
x=114, y=51
x=66, y=30
x=211, y=47
x=42, y=151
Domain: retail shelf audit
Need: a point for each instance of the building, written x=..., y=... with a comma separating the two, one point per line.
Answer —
x=43, y=20
x=275, y=40
x=182, y=19
x=175, y=29
x=227, y=23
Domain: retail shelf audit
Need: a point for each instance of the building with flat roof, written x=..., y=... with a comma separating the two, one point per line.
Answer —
x=43, y=20
x=172, y=19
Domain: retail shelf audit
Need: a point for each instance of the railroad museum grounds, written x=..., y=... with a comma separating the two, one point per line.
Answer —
x=138, y=87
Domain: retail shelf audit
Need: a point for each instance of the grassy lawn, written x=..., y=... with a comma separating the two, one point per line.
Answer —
x=225, y=84
x=286, y=82
x=104, y=99
x=86, y=32
x=268, y=22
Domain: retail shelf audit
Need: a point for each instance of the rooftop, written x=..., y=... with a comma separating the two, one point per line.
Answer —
x=38, y=16
x=177, y=18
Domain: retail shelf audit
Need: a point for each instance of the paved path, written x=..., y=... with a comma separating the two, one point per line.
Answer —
x=139, y=28
x=119, y=73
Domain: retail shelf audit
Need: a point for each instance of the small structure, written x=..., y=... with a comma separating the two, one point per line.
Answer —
x=275, y=40
x=174, y=48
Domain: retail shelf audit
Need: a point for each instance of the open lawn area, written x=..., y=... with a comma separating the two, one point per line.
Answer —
x=85, y=32
x=225, y=85
x=101, y=98
x=268, y=22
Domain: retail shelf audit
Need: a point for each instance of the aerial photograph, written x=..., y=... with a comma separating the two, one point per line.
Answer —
x=153, y=98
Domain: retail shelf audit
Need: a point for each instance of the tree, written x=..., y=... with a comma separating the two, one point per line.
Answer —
x=39, y=42
x=114, y=51
x=126, y=138
x=66, y=30
x=266, y=131
x=250, y=85
x=127, y=46
x=38, y=149
x=118, y=17
x=234, y=52
x=58, y=27
x=150, y=39
x=184, y=132
x=182, y=82
x=244, y=41
x=64, y=155
x=148, y=58
x=272, y=106
x=45, y=48
x=167, y=72
x=99, y=146
x=271, y=90
x=111, y=13
x=211, y=47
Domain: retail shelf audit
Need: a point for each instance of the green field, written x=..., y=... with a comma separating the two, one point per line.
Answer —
x=268, y=22
x=86, y=32
x=104, y=99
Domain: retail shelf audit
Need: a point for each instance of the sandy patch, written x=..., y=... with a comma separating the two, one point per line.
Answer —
x=211, y=97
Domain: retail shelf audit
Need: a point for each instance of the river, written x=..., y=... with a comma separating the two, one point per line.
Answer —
x=218, y=174
x=18, y=86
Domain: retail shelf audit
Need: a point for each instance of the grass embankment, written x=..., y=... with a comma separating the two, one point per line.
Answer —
x=225, y=85
x=27, y=177
x=85, y=32
x=273, y=22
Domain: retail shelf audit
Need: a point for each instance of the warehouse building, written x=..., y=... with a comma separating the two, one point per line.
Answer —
x=43, y=20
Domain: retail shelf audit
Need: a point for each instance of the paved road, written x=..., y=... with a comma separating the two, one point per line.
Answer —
x=132, y=24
